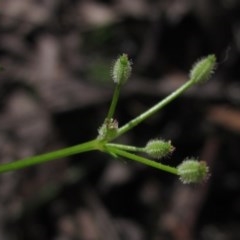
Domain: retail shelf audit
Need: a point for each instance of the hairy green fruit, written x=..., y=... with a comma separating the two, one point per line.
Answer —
x=158, y=148
x=193, y=171
x=121, y=69
x=203, y=69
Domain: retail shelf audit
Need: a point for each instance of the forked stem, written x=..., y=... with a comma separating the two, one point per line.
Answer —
x=142, y=160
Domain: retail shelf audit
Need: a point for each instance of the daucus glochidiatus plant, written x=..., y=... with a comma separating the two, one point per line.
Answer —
x=189, y=171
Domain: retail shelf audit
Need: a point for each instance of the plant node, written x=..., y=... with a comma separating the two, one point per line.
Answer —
x=108, y=129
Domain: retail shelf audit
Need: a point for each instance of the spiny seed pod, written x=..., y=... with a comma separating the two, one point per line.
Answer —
x=158, y=148
x=203, y=69
x=193, y=171
x=121, y=69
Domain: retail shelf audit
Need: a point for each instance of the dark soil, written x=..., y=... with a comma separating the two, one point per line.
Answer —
x=55, y=88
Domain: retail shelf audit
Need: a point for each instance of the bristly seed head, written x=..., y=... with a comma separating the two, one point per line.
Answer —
x=203, y=69
x=158, y=148
x=121, y=69
x=193, y=171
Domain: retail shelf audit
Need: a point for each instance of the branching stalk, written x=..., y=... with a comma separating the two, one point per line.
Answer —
x=190, y=171
x=142, y=160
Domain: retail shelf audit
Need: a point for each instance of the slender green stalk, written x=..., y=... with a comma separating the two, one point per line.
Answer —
x=114, y=101
x=142, y=160
x=80, y=148
x=126, y=147
x=134, y=122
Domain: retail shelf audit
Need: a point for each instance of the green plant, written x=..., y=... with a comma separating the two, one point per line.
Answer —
x=189, y=171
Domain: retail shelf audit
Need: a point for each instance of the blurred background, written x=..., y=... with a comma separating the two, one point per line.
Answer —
x=55, y=89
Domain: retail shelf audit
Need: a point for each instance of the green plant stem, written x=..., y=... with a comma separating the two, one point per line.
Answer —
x=148, y=162
x=126, y=147
x=114, y=101
x=23, y=163
x=134, y=122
